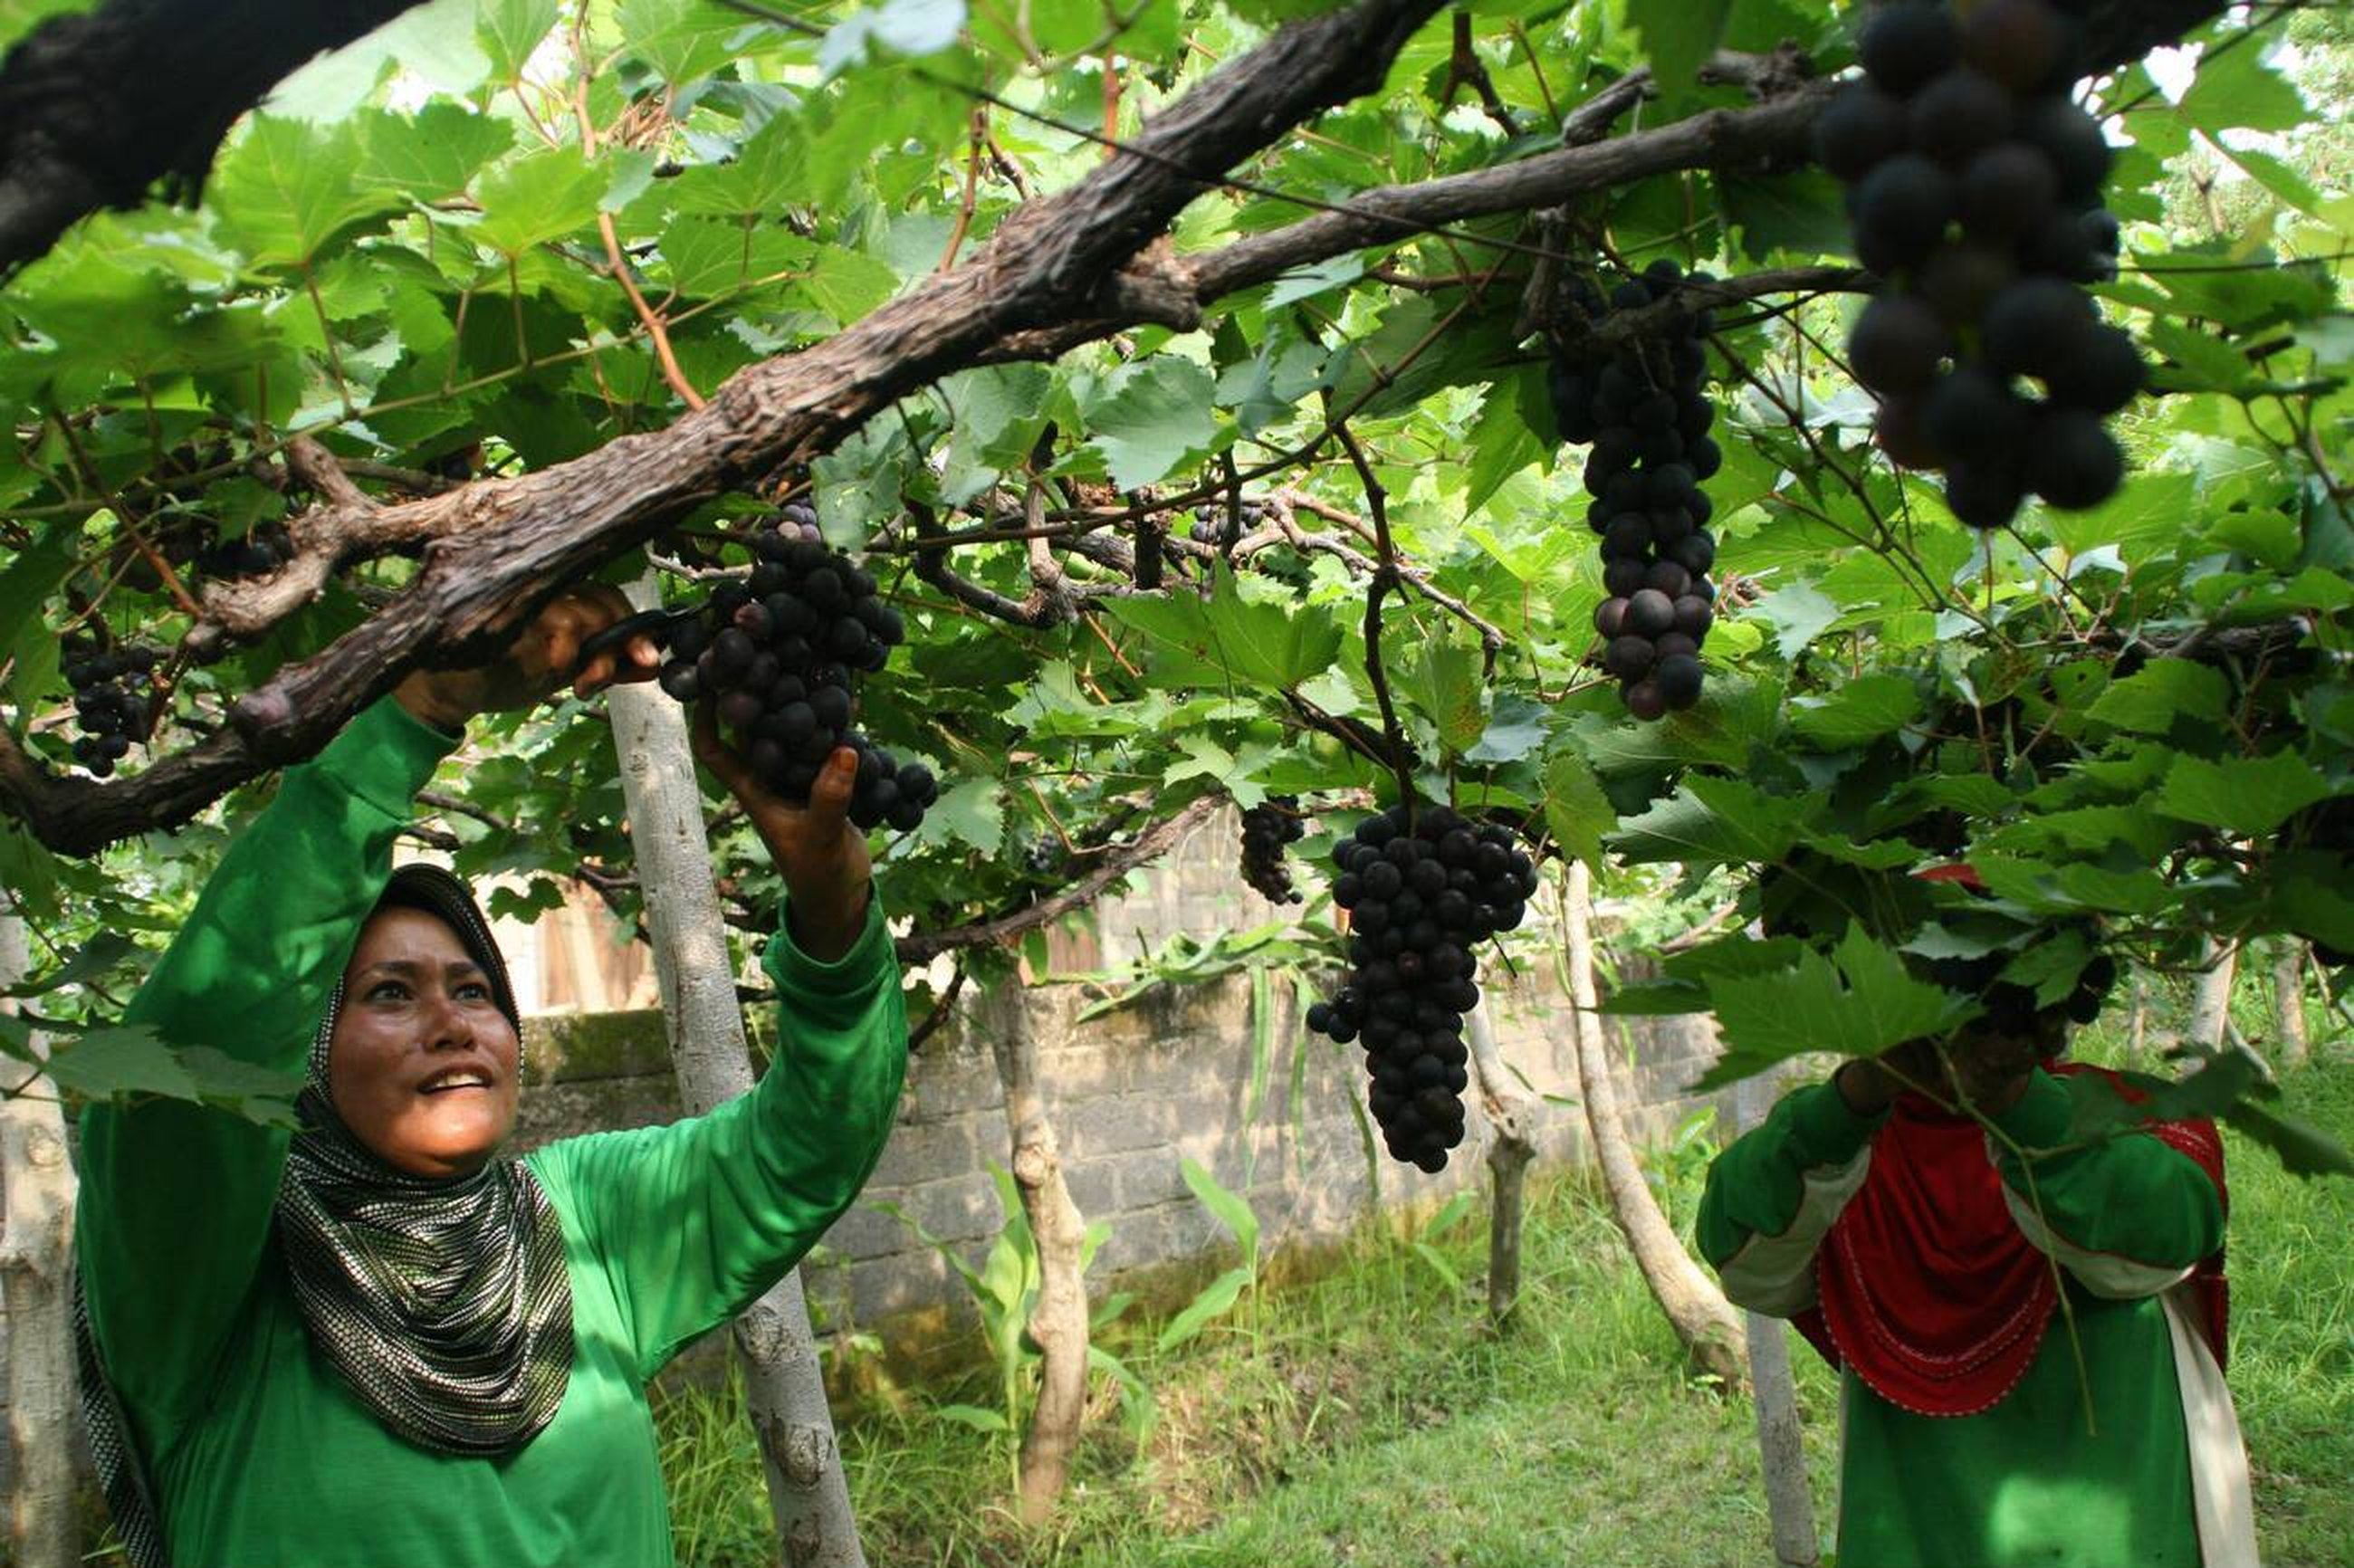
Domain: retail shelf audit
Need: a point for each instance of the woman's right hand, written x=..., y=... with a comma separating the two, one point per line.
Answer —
x=538, y=663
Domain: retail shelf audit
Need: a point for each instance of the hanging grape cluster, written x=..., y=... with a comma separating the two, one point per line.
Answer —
x=1209, y=525
x=113, y=701
x=780, y=654
x=1645, y=413
x=1974, y=183
x=197, y=545
x=1267, y=830
x=1423, y=889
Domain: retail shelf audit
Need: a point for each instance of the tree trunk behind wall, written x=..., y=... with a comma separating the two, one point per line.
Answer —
x=36, y=1285
x=2289, y=1003
x=1781, y=1437
x=1511, y=1113
x=783, y=1384
x=1058, y=1322
x=1698, y=1311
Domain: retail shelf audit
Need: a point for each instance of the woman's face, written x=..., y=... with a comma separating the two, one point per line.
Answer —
x=422, y=1064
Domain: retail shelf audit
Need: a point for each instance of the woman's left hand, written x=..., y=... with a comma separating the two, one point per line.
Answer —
x=820, y=855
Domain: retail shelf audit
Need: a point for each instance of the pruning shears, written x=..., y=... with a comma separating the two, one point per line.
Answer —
x=656, y=623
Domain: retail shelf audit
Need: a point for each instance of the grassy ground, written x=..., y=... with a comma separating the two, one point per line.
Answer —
x=1371, y=1418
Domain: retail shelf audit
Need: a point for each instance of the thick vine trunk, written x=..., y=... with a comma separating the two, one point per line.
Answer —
x=2210, y=1000
x=807, y=1491
x=1697, y=1309
x=1511, y=1113
x=36, y=1287
x=2289, y=1003
x=1781, y=1436
x=1058, y=1321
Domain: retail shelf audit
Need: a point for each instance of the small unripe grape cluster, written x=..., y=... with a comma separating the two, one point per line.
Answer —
x=1974, y=185
x=780, y=655
x=1423, y=889
x=114, y=701
x=1646, y=412
x=1268, y=829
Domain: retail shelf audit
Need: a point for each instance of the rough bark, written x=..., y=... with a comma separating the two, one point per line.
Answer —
x=2211, y=1000
x=95, y=110
x=2289, y=1003
x=783, y=1384
x=1697, y=1309
x=1781, y=1436
x=1058, y=1319
x=1512, y=1112
x=37, y=1287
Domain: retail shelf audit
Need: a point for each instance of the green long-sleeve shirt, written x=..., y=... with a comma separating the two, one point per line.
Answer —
x=260, y=1453
x=2025, y=1483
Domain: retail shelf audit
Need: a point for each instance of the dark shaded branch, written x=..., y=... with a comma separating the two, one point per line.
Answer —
x=96, y=109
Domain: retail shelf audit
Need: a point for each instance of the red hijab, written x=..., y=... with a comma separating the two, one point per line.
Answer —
x=1927, y=1285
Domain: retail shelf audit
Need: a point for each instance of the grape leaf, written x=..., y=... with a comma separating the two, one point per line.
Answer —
x=285, y=189
x=1156, y=414
x=1858, y=1002
x=2246, y=795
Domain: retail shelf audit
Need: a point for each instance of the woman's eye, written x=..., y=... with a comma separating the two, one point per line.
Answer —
x=474, y=991
x=386, y=991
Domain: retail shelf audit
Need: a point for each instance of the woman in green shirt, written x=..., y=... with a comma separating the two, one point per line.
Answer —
x=1927, y=1258
x=372, y=1341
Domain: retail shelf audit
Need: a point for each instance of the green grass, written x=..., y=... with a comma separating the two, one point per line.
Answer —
x=1378, y=1422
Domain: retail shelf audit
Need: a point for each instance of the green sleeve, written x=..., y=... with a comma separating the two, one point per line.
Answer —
x=175, y=1198
x=2126, y=1216
x=693, y=1221
x=1759, y=1185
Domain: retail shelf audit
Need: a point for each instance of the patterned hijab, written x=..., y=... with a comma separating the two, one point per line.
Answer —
x=444, y=1302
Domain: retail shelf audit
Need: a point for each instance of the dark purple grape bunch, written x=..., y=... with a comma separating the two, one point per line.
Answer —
x=780, y=654
x=114, y=701
x=1975, y=188
x=1268, y=830
x=1423, y=890
x=1645, y=413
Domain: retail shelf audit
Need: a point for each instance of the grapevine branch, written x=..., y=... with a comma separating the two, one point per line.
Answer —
x=494, y=551
x=1149, y=845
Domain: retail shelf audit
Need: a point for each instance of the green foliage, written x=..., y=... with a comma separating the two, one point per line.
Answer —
x=2135, y=715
